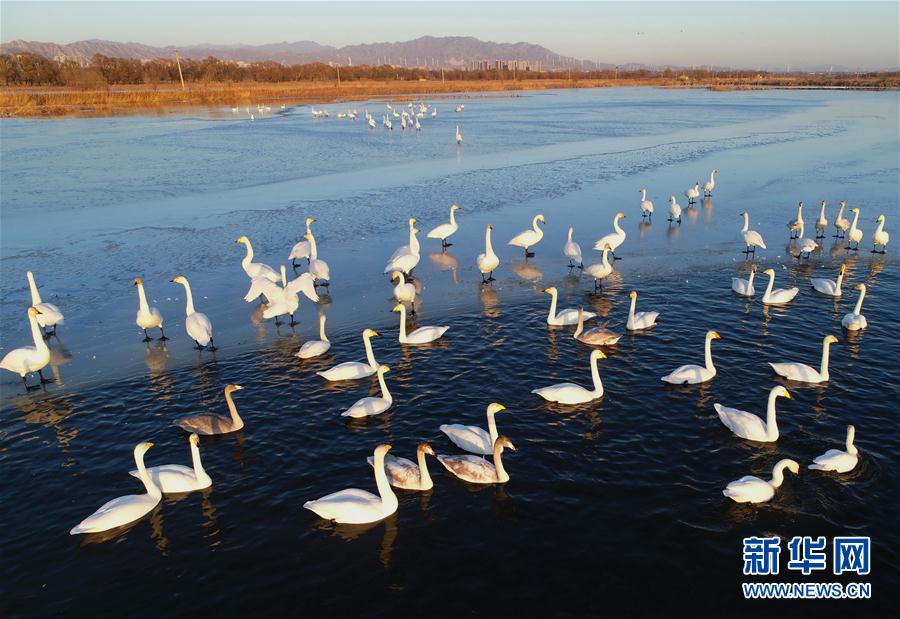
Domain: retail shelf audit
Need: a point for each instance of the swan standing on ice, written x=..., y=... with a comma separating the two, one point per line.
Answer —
x=282, y=299
x=674, y=210
x=837, y=460
x=422, y=335
x=596, y=336
x=412, y=245
x=693, y=193
x=600, y=270
x=488, y=261
x=880, y=237
x=48, y=314
x=209, y=424
x=125, y=509
x=854, y=235
x=821, y=223
x=854, y=321
x=570, y=393
x=300, y=249
x=795, y=225
x=477, y=470
x=572, y=251
x=752, y=238
x=354, y=506
x=749, y=426
x=695, y=374
x=613, y=239
x=368, y=406
x=29, y=359
x=829, y=286
x=744, y=287
x=351, y=370
x=176, y=478
x=197, y=325
x=403, y=291
x=529, y=238
x=751, y=489
x=840, y=223
x=565, y=317
x=779, y=295
x=445, y=231
x=472, y=438
x=317, y=268
x=805, y=246
x=709, y=185
x=406, y=257
x=646, y=205
x=639, y=320
x=147, y=317
x=803, y=373
x=315, y=348
x=405, y=474
x=256, y=269
x=458, y=135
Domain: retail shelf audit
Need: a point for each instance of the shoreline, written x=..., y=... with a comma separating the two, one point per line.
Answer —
x=55, y=102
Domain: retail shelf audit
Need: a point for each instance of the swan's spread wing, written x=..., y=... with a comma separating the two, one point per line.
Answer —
x=206, y=424
x=348, y=370
x=470, y=468
x=835, y=460
x=797, y=371
x=265, y=287
x=469, y=438
x=401, y=472
x=742, y=423
x=303, y=284
x=688, y=374
x=199, y=328
x=749, y=489
x=565, y=393
x=424, y=335
x=351, y=506
x=116, y=513
x=367, y=406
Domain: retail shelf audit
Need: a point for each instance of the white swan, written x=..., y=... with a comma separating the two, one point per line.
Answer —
x=572, y=251
x=48, y=314
x=403, y=291
x=256, y=269
x=125, y=509
x=854, y=235
x=601, y=270
x=752, y=238
x=284, y=299
x=615, y=238
x=674, y=210
x=821, y=222
x=744, y=287
x=422, y=335
x=709, y=185
x=472, y=438
x=693, y=193
x=351, y=370
x=371, y=405
x=445, y=231
x=804, y=245
x=147, y=317
x=803, y=373
x=646, y=205
x=639, y=320
x=596, y=336
x=837, y=460
x=829, y=286
x=29, y=359
x=406, y=262
x=405, y=474
x=749, y=426
x=175, y=478
x=880, y=237
x=565, y=317
x=354, y=506
x=315, y=348
x=458, y=135
x=779, y=295
x=412, y=245
x=840, y=222
x=197, y=325
x=317, y=268
x=751, y=489
x=300, y=249
x=695, y=374
x=529, y=238
x=477, y=470
x=570, y=393
x=854, y=321
x=488, y=261
x=794, y=224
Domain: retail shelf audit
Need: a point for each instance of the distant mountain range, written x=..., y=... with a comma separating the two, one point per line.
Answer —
x=449, y=52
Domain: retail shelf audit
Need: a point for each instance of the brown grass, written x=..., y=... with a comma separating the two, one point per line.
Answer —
x=51, y=101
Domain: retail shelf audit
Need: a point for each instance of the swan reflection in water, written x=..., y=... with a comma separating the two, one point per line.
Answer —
x=350, y=532
x=644, y=228
x=59, y=355
x=445, y=261
x=526, y=271
x=707, y=204
x=48, y=410
x=490, y=301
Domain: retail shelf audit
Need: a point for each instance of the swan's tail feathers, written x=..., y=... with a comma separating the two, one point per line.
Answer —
x=762, y=245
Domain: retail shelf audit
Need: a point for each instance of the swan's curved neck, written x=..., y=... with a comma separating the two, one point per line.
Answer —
x=579, y=328
x=424, y=476
x=370, y=356
x=800, y=212
x=402, y=279
x=313, y=250
x=771, y=284
x=322, y=335
x=840, y=279
x=862, y=295
x=233, y=409
x=851, y=448
x=778, y=475
x=822, y=210
x=35, y=295
x=402, y=323
x=502, y=475
x=414, y=246
x=708, y=354
x=152, y=489
x=855, y=219
x=840, y=212
x=605, y=259
x=771, y=423
x=712, y=176
x=631, y=309
x=308, y=229
x=823, y=368
x=800, y=232
x=552, y=314
x=595, y=376
x=569, y=236
x=199, y=471
x=534, y=224
x=249, y=257
x=878, y=230
x=39, y=342
x=616, y=227
x=492, y=427
x=643, y=194
x=752, y=275
x=453, y=217
x=488, y=248
x=746, y=223
x=385, y=394
x=142, y=298
x=189, y=299
x=388, y=498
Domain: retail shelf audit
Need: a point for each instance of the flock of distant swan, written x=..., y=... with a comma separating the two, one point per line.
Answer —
x=355, y=506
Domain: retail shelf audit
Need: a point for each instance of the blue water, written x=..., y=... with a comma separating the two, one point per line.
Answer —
x=613, y=508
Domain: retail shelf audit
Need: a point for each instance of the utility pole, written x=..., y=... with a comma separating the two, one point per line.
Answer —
x=442, y=74
x=339, y=74
x=180, y=76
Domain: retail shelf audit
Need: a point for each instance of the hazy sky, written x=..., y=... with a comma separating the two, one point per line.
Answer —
x=745, y=34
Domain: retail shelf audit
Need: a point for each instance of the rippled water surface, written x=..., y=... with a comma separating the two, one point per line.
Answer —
x=613, y=508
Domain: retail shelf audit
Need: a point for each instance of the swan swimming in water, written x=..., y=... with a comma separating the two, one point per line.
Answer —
x=752, y=238
x=777, y=296
x=405, y=474
x=477, y=470
x=837, y=460
x=749, y=426
x=125, y=509
x=354, y=506
x=829, y=286
x=256, y=269
x=709, y=185
x=744, y=287
x=854, y=321
x=597, y=336
x=315, y=348
x=422, y=335
x=529, y=238
x=695, y=374
x=572, y=251
x=570, y=393
x=488, y=261
x=352, y=370
x=48, y=314
x=445, y=231
x=368, y=406
x=147, y=317
x=880, y=237
x=176, y=478
x=565, y=317
x=614, y=239
x=803, y=373
x=208, y=424
x=300, y=249
x=751, y=489
x=29, y=359
x=472, y=438
x=646, y=205
x=197, y=324
x=639, y=320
